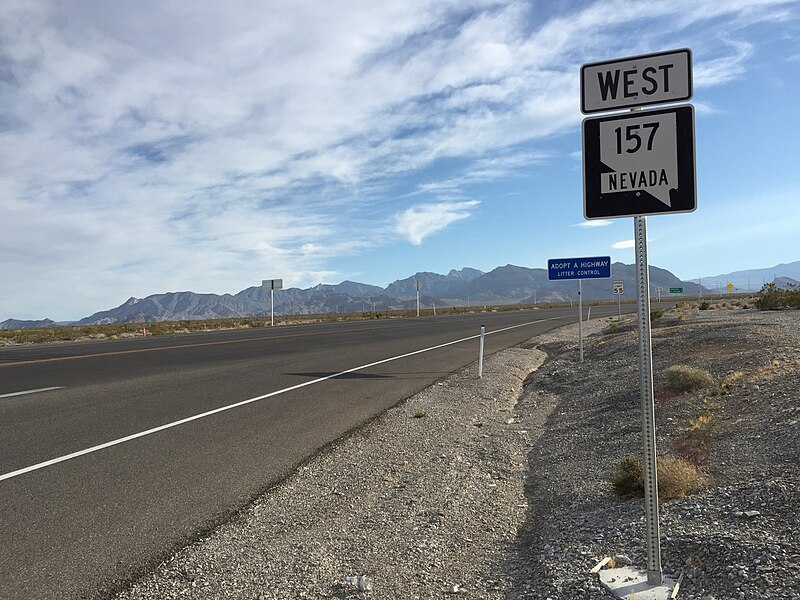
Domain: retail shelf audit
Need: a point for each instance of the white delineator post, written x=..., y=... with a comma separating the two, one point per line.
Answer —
x=654, y=572
x=272, y=308
x=480, y=353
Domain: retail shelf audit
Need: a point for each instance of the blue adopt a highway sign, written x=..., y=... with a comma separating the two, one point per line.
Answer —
x=594, y=267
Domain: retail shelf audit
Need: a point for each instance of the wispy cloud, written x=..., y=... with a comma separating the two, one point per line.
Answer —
x=503, y=165
x=418, y=222
x=723, y=69
x=623, y=245
x=594, y=223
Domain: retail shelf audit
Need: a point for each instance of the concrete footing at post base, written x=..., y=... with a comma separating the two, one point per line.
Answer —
x=630, y=583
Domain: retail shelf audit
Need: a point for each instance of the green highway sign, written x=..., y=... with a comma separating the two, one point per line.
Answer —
x=675, y=290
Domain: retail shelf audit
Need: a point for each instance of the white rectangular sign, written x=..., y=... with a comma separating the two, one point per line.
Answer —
x=272, y=284
x=636, y=81
x=618, y=287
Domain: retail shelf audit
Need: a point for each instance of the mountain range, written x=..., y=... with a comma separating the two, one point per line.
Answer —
x=466, y=287
x=754, y=279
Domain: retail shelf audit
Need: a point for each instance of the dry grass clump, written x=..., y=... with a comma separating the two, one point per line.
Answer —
x=683, y=378
x=677, y=478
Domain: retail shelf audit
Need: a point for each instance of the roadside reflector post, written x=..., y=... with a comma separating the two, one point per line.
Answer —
x=654, y=572
x=480, y=353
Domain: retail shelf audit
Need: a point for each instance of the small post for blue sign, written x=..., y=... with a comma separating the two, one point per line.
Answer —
x=596, y=267
x=580, y=317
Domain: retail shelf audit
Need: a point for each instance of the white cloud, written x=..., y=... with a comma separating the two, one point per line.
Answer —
x=623, y=245
x=724, y=69
x=418, y=222
x=594, y=223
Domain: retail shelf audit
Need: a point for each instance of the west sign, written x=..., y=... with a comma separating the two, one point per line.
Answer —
x=636, y=81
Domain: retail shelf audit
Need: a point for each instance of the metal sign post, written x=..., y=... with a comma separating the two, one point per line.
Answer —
x=272, y=285
x=654, y=573
x=636, y=164
x=580, y=317
x=417, y=286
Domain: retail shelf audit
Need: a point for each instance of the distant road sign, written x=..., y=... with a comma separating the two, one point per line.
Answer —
x=730, y=288
x=640, y=163
x=272, y=284
x=675, y=290
x=618, y=287
x=636, y=81
x=597, y=267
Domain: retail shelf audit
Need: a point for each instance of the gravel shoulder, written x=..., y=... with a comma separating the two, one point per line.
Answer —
x=500, y=487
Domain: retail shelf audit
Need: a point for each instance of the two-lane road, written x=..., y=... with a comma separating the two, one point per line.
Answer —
x=113, y=454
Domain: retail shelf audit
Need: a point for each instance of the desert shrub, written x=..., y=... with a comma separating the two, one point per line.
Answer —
x=677, y=478
x=694, y=445
x=704, y=305
x=776, y=299
x=628, y=479
x=682, y=378
x=656, y=314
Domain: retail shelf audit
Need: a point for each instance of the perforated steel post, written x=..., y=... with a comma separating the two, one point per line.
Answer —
x=580, y=317
x=654, y=573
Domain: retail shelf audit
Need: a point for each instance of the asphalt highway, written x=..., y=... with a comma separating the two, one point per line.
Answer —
x=113, y=454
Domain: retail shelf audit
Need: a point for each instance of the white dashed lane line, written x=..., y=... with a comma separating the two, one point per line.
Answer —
x=26, y=392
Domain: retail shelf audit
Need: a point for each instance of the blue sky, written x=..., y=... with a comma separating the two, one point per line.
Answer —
x=157, y=146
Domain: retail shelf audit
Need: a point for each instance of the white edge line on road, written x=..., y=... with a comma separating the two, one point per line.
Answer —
x=134, y=436
x=26, y=392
